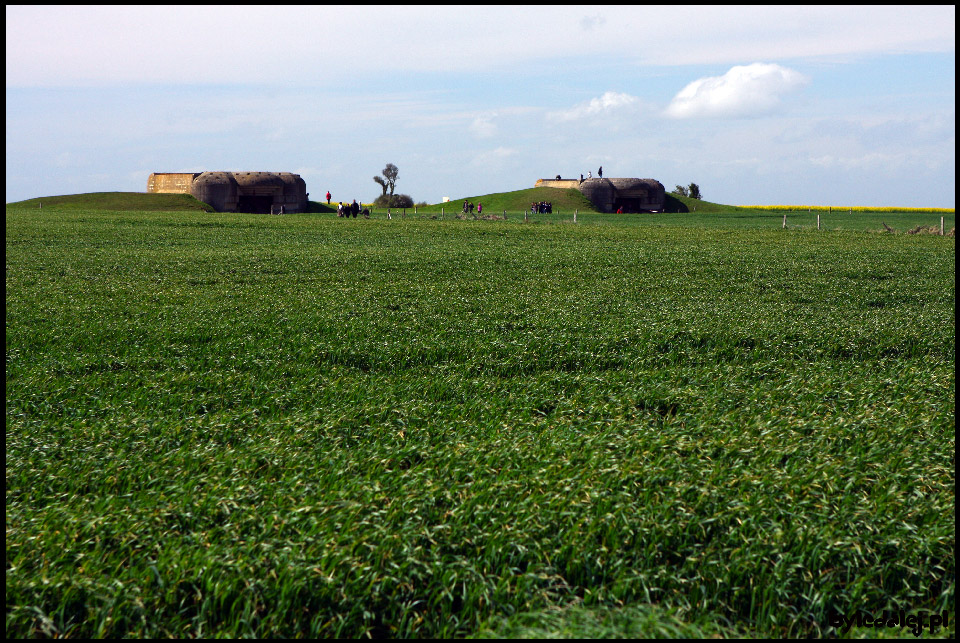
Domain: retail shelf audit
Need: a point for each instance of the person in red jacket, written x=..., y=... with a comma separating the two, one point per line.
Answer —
x=328, y=197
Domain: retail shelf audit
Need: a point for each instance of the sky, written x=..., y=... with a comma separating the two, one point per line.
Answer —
x=756, y=105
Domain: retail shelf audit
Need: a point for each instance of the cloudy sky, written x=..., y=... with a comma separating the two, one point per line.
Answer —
x=775, y=105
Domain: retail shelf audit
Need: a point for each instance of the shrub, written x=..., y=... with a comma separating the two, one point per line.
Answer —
x=394, y=201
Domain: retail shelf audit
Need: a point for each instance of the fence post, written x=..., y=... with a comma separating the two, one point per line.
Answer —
x=784, y=220
x=524, y=216
x=388, y=214
x=575, y=215
x=818, y=222
x=851, y=212
x=941, y=226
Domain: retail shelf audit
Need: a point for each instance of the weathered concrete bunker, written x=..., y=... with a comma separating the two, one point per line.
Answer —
x=260, y=192
x=609, y=195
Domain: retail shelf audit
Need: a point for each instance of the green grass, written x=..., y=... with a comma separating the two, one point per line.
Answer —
x=632, y=622
x=683, y=204
x=678, y=211
x=244, y=425
x=518, y=201
x=900, y=222
x=566, y=201
x=118, y=202
x=318, y=207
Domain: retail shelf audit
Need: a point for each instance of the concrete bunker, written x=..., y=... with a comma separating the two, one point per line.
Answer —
x=609, y=195
x=638, y=195
x=255, y=192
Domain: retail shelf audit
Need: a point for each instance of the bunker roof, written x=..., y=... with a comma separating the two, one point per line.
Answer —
x=206, y=178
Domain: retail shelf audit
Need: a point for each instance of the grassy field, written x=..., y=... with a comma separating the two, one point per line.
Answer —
x=686, y=425
x=515, y=205
x=679, y=211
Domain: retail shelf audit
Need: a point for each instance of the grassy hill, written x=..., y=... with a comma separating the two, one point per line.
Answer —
x=520, y=200
x=569, y=199
x=136, y=201
x=676, y=203
x=563, y=200
x=322, y=208
x=119, y=202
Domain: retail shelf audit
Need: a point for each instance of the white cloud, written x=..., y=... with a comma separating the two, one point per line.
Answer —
x=483, y=126
x=745, y=90
x=495, y=158
x=97, y=46
x=608, y=103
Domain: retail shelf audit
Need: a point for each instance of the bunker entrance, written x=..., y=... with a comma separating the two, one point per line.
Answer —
x=629, y=205
x=254, y=204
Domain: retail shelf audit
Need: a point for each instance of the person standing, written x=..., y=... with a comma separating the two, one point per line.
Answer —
x=589, y=175
x=354, y=208
x=600, y=172
x=328, y=197
x=479, y=209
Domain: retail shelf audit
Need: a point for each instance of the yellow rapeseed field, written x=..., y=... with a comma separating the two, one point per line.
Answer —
x=845, y=208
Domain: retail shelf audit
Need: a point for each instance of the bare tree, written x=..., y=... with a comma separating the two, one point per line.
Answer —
x=389, y=179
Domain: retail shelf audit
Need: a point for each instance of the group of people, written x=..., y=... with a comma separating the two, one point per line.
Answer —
x=590, y=174
x=542, y=207
x=350, y=209
x=468, y=208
